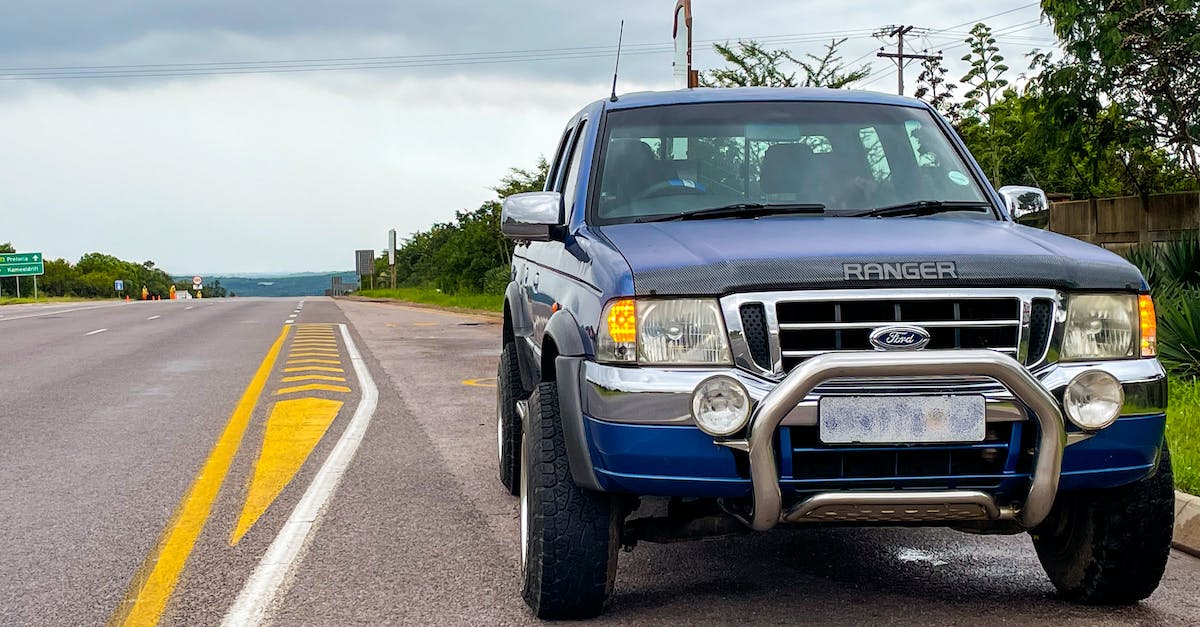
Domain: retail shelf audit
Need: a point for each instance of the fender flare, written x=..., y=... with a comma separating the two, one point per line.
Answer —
x=567, y=335
x=522, y=333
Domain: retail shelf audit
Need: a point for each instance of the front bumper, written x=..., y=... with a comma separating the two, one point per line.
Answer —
x=641, y=439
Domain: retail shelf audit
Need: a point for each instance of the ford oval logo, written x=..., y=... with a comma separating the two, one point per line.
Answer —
x=899, y=338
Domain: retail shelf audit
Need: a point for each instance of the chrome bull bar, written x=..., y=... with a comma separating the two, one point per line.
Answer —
x=902, y=505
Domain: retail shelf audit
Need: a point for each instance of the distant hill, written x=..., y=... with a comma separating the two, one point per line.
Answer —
x=299, y=284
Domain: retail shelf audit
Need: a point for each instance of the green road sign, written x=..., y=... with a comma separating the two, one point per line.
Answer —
x=20, y=258
x=21, y=264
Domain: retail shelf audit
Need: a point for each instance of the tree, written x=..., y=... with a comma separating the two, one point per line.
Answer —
x=932, y=87
x=751, y=64
x=1142, y=56
x=987, y=82
x=986, y=76
x=828, y=70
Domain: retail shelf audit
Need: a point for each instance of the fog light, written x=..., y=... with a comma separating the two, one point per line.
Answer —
x=1093, y=400
x=720, y=406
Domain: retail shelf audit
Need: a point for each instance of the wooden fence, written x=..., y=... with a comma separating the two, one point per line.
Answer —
x=1122, y=223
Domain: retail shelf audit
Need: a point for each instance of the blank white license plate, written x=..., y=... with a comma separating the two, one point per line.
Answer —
x=901, y=419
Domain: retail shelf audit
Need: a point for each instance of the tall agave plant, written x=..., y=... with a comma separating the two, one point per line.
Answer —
x=1179, y=333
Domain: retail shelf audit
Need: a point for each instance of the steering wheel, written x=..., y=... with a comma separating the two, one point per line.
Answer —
x=666, y=188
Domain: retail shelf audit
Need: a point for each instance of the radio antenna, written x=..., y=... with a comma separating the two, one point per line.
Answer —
x=620, y=37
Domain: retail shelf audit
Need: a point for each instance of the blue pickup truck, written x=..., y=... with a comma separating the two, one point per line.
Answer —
x=740, y=309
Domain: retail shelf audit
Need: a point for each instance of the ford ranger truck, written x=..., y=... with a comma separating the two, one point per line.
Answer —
x=739, y=309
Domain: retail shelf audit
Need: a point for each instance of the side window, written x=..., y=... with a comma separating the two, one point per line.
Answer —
x=556, y=167
x=572, y=174
x=876, y=156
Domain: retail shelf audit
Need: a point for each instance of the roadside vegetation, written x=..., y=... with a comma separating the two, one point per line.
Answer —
x=1183, y=434
x=426, y=296
x=7, y=300
x=92, y=277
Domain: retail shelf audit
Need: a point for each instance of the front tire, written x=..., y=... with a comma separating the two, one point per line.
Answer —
x=570, y=535
x=1110, y=547
x=508, y=423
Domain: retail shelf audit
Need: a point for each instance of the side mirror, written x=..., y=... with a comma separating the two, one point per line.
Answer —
x=1025, y=204
x=531, y=216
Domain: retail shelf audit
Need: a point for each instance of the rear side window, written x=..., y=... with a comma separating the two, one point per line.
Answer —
x=556, y=168
x=572, y=172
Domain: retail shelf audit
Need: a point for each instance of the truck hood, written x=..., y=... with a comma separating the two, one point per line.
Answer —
x=715, y=257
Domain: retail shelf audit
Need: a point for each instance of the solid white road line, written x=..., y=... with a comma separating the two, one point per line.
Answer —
x=61, y=311
x=282, y=557
x=153, y=317
x=95, y=332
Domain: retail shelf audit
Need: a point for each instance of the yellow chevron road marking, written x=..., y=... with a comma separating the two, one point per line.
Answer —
x=293, y=431
x=312, y=387
x=312, y=368
x=334, y=362
x=312, y=377
x=313, y=354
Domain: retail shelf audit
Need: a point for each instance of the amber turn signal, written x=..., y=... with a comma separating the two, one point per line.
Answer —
x=622, y=321
x=1149, y=326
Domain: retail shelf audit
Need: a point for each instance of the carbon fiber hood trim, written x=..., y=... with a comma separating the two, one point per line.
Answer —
x=717, y=257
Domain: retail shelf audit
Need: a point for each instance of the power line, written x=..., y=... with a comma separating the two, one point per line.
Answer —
x=988, y=17
x=417, y=60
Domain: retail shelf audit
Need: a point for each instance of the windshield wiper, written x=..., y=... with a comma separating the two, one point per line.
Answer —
x=924, y=208
x=740, y=210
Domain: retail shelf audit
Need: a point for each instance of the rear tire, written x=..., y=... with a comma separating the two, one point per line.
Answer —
x=1110, y=547
x=508, y=423
x=570, y=535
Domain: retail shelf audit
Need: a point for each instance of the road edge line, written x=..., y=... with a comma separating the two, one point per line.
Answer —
x=259, y=592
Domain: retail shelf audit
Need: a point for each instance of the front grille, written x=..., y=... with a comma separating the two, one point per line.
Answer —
x=811, y=465
x=809, y=328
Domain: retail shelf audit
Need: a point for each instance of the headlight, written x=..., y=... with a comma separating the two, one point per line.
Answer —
x=1101, y=326
x=662, y=332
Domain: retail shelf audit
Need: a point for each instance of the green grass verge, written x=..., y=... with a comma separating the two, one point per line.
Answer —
x=1183, y=433
x=9, y=300
x=481, y=302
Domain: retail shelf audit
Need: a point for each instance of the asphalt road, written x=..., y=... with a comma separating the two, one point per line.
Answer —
x=117, y=448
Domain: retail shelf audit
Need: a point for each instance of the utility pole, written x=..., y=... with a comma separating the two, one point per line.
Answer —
x=899, y=56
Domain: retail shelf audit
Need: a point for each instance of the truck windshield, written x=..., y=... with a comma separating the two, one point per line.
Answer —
x=845, y=158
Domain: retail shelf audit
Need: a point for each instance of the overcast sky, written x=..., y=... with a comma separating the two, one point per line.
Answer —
x=259, y=172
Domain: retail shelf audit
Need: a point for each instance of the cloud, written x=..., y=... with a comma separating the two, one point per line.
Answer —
x=264, y=173
x=285, y=172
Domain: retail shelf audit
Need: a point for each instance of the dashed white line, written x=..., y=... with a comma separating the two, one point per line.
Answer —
x=288, y=321
x=95, y=332
x=153, y=317
x=258, y=595
x=186, y=308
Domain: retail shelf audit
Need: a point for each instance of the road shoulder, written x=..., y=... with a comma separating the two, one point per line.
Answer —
x=1187, y=523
